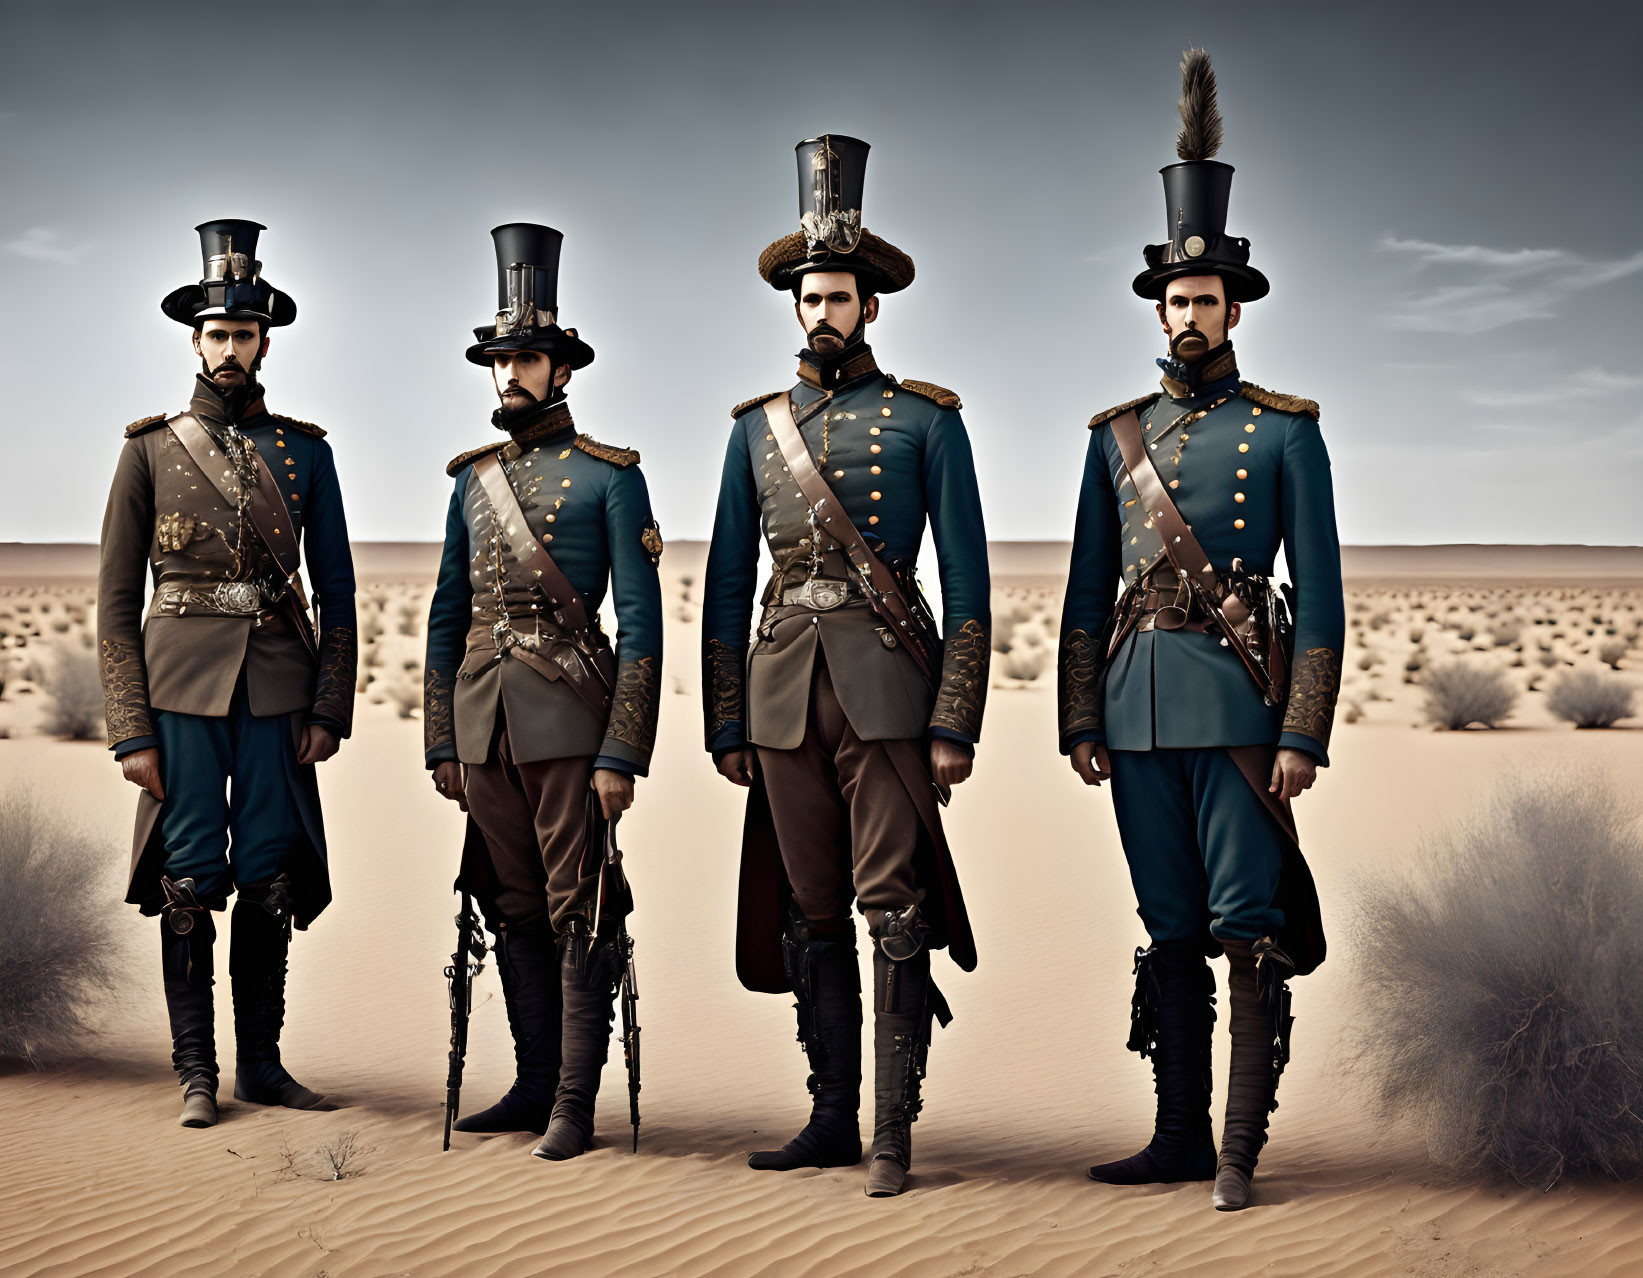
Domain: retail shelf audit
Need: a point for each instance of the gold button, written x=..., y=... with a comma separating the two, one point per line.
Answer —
x=279, y=443
x=1184, y=437
x=1237, y=497
x=875, y=448
x=562, y=455
x=889, y=394
x=1242, y=473
x=1243, y=448
x=1255, y=412
x=875, y=469
x=564, y=483
x=295, y=497
x=1249, y=429
x=279, y=430
x=1175, y=483
x=872, y=519
x=884, y=412
x=875, y=495
x=838, y=474
x=547, y=536
x=1238, y=524
x=874, y=430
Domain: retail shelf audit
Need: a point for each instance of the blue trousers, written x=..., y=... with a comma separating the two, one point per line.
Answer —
x=230, y=813
x=1204, y=853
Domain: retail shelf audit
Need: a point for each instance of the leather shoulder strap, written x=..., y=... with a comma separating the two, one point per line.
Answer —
x=533, y=556
x=266, y=506
x=1179, y=543
x=886, y=590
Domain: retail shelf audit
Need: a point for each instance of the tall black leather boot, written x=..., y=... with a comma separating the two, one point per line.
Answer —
x=1171, y=1018
x=589, y=976
x=188, y=963
x=826, y=984
x=258, y=946
x=527, y=959
x=1258, y=999
x=905, y=1002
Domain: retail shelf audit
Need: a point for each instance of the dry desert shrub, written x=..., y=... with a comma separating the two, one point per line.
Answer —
x=1460, y=694
x=1590, y=699
x=74, y=689
x=56, y=957
x=1501, y=1011
x=1612, y=653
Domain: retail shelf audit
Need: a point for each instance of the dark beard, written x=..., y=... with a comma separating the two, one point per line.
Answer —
x=824, y=329
x=1189, y=346
x=234, y=399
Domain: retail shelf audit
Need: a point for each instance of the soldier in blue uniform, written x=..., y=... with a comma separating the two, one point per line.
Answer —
x=532, y=723
x=1185, y=692
x=221, y=701
x=848, y=715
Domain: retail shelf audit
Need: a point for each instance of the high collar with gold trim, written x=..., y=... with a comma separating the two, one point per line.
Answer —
x=1219, y=376
x=853, y=369
x=536, y=423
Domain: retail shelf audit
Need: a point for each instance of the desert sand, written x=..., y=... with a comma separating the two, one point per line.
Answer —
x=1029, y=1085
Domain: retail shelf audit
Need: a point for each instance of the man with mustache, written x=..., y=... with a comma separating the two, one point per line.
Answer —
x=531, y=722
x=1186, y=694
x=848, y=716
x=221, y=702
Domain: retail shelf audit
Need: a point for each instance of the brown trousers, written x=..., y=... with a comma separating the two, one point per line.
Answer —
x=534, y=817
x=843, y=817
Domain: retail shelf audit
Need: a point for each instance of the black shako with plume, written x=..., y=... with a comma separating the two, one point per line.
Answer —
x=1196, y=194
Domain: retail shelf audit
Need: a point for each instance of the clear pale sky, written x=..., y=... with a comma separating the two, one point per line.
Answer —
x=1446, y=198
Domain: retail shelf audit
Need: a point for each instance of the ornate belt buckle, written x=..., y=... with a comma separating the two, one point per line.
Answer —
x=239, y=598
x=823, y=595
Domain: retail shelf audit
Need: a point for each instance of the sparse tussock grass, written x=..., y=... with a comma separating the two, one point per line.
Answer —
x=1591, y=698
x=1460, y=694
x=56, y=956
x=1501, y=1011
x=74, y=690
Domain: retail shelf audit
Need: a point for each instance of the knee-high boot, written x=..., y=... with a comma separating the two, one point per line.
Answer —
x=905, y=1003
x=826, y=984
x=188, y=964
x=527, y=960
x=258, y=947
x=1260, y=1020
x=589, y=976
x=1171, y=1019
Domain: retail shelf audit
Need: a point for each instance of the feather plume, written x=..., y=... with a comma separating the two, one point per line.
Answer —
x=1200, y=136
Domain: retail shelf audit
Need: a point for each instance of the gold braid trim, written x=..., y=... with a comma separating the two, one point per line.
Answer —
x=881, y=255
x=752, y=403
x=438, y=718
x=301, y=427
x=618, y=457
x=1314, y=685
x=962, y=695
x=633, y=707
x=1277, y=399
x=338, y=667
x=723, y=670
x=942, y=396
x=144, y=423
x=1101, y=419
x=462, y=459
x=125, y=692
x=1078, y=685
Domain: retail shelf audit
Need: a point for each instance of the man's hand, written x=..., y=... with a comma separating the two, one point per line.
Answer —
x=736, y=766
x=448, y=781
x=1091, y=763
x=1292, y=772
x=318, y=745
x=143, y=768
x=615, y=791
x=948, y=764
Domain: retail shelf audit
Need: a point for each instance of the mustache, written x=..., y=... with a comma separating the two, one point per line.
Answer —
x=824, y=329
x=1189, y=342
x=231, y=364
x=514, y=388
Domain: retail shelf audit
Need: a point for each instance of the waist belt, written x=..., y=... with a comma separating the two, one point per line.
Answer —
x=820, y=594
x=218, y=599
x=1167, y=605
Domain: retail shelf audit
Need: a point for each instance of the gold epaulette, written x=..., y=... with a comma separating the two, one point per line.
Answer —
x=1283, y=403
x=619, y=457
x=463, y=459
x=1101, y=419
x=305, y=428
x=752, y=403
x=942, y=396
x=146, y=423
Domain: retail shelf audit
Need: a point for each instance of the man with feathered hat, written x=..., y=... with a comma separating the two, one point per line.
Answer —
x=221, y=701
x=1206, y=692
x=533, y=723
x=848, y=715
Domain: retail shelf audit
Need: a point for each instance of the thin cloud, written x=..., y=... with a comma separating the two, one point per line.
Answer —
x=1495, y=287
x=1589, y=383
x=47, y=244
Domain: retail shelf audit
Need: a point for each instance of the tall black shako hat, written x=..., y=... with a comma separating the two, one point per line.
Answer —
x=1196, y=192
x=832, y=172
x=231, y=286
x=527, y=299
